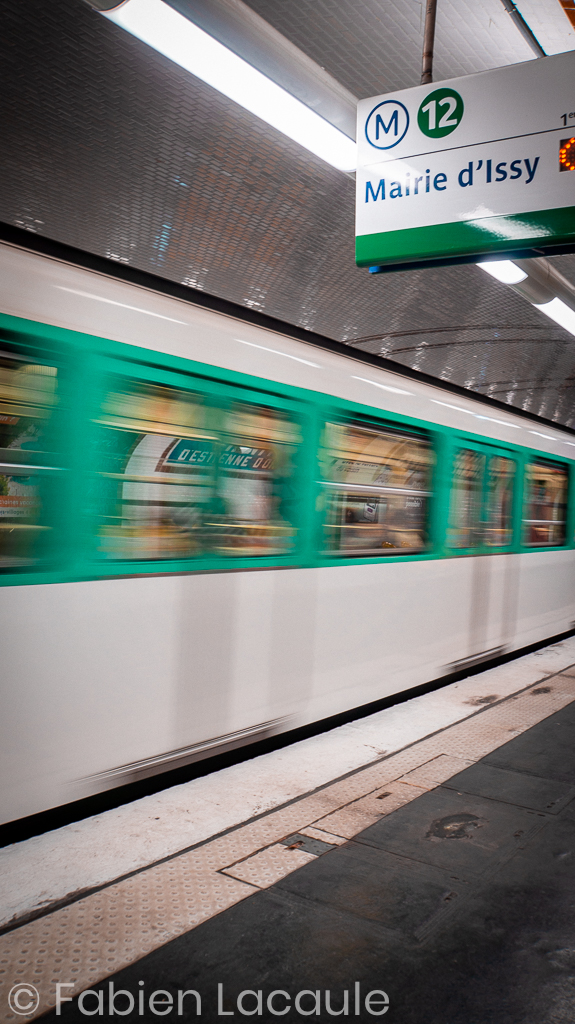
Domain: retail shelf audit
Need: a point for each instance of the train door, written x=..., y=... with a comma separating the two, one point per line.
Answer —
x=481, y=524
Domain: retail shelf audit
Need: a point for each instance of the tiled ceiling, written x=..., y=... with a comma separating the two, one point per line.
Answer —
x=109, y=147
x=374, y=46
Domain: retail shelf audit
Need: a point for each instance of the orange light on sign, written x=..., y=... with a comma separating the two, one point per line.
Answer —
x=567, y=154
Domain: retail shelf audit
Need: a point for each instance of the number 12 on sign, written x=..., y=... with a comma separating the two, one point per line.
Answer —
x=440, y=113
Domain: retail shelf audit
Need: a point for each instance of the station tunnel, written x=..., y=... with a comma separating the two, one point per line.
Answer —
x=287, y=527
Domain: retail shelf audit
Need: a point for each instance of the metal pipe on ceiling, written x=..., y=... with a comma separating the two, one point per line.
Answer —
x=543, y=283
x=428, y=40
x=523, y=27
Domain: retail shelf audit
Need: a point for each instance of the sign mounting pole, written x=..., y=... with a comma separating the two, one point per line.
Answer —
x=428, y=39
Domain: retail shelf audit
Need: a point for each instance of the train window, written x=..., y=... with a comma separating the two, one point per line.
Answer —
x=377, y=486
x=254, y=493
x=481, y=500
x=28, y=395
x=498, y=529
x=465, y=526
x=546, y=503
x=184, y=476
x=158, y=457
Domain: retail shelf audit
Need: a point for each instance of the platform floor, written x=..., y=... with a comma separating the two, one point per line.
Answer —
x=441, y=874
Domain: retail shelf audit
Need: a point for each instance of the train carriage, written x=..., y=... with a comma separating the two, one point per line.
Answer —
x=212, y=531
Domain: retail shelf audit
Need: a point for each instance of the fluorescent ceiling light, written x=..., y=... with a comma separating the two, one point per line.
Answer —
x=112, y=302
x=161, y=27
x=504, y=270
x=384, y=387
x=276, y=352
x=560, y=312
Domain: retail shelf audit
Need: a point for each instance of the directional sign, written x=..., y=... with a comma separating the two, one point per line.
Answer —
x=467, y=167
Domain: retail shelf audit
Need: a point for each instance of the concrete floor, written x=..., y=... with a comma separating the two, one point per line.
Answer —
x=440, y=874
x=458, y=906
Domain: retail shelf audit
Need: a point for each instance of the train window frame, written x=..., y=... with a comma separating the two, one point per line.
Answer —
x=394, y=425
x=222, y=394
x=533, y=456
x=460, y=442
x=39, y=348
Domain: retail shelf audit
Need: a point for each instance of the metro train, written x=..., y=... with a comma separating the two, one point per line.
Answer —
x=212, y=531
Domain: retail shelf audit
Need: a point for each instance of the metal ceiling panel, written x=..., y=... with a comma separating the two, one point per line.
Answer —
x=111, y=148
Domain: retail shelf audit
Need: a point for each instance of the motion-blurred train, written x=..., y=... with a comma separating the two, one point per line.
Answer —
x=211, y=531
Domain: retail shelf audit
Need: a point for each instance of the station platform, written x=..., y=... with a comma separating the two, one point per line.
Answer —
x=418, y=863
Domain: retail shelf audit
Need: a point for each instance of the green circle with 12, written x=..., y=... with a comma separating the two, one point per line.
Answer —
x=440, y=113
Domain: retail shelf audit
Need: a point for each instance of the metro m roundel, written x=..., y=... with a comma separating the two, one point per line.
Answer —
x=387, y=124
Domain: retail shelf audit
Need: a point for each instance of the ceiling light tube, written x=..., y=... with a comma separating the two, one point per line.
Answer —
x=168, y=32
x=560, y=312
x=504, y=270
x=541, y=284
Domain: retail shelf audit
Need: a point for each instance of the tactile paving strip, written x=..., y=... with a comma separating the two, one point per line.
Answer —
x=435, y=771
x=97, y=936
x=93, y=938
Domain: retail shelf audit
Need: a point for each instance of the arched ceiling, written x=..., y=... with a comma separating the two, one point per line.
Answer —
x=110, y=148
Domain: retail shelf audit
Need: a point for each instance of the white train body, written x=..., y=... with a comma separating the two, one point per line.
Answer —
x=107, y=679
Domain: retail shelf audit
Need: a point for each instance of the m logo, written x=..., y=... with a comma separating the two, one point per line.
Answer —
x=387, y=124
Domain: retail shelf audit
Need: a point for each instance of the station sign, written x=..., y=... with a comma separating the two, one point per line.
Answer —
x=468, y=167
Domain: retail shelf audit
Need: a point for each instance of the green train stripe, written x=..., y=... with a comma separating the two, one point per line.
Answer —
x=86, y=363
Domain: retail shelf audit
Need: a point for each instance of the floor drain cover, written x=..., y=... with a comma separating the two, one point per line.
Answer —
x=307, y=844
